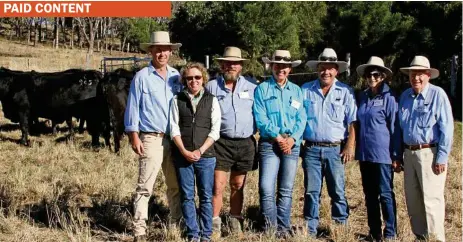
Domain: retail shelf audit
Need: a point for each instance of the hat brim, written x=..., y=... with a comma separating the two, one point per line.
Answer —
x=230, y=59
x=434, y=72
x=361, y=69
x=145, y=46
x=295, y=63
x=342, y=65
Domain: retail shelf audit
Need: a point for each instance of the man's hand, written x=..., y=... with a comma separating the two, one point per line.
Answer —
x=347, y=154
x=438, y=168
x=397, y=166
x=137, y=145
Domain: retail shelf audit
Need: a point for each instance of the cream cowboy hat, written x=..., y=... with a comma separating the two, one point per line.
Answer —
x=420, y=63
x=159, y=38
x=328, y=56
x=281, y=57
x=231, y=54
x=376, y=62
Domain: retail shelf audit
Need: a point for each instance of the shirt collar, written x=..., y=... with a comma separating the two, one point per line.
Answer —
x=422, y=93
x=316, y=84
x=275, y=84
x=221, y=80
x=384, y=88
x=151, y=68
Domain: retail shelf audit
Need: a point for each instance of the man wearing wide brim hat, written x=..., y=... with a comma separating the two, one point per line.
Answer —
x=281, y=57
x=280, y=118
x=426, y=120
x=236, y=148
x=329, y=138
x=326, y=57
x=146, y=122
x=159, y=38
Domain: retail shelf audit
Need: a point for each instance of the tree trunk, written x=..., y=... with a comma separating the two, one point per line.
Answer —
x=56, y=33
x=63, y=29
x=71, y=40
x=40, y=28
x=36, y=36
x=29, y=30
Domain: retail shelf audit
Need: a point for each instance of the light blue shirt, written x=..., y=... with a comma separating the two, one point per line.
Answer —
x=279, y=110
x=427, y=118
x=149, y=100
x=328, y=117
x=236, y=106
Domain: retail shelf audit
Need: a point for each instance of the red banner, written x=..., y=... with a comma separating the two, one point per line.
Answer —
x=84, y=9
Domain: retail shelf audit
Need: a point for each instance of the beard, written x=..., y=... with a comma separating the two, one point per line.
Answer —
x=230, y=77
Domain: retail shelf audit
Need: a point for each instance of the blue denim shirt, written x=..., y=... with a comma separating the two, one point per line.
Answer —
x=328, y=117
x=279, y=110
x=236, y=106
x=379, y=137
x=149, y=100
x=427, y=118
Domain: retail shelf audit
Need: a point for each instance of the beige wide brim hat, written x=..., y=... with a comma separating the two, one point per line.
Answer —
x=420, y=63
x=281, y=57
x=328, y=56
x=159, y=38
x=231, y=53
x=376, y=62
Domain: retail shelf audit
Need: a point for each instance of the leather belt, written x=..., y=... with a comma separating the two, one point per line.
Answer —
x=419, y=147
x=322, y=144
x=153, y=134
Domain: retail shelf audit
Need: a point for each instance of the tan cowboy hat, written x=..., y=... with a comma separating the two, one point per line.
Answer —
x=159, y=38
x=281, y=57
x=376, y=62
x=231, y=54
x=420, y=63
x=328, y=56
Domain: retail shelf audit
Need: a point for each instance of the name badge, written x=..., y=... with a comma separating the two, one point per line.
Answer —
x=295, y=104
x=378, y=102
x=244, y=95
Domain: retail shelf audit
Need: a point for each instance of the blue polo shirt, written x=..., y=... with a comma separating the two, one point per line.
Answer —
x=379, y=139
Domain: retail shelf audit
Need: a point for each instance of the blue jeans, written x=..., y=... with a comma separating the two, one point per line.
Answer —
x=203, y=171
x=377, y=181
x=275, y=167
x=319, y=162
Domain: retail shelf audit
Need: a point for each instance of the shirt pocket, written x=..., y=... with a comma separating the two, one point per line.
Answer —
x=336, y=112
x=426, y=119
x=272, y=106
x=311, y=108
x=224, y=102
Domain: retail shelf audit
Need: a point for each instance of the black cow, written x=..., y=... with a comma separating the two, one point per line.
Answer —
x=25, y=96
x=115, y=89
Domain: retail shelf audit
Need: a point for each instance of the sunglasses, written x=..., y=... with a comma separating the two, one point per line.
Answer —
x=190, y=78
x=376, y=75
x=323, y=58
x=282, y=58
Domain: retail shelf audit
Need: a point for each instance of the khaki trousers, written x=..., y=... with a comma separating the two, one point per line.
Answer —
x=157, y=154
x=424, y=193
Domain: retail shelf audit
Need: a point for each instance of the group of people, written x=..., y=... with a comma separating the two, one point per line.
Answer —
x=203, y=134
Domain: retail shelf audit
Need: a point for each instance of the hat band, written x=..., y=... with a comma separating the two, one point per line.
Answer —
x=232, y=56
x=282, y=58
x=325, y=58
x=427, y=67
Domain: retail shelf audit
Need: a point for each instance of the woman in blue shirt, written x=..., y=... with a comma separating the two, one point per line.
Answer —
x=378, y=147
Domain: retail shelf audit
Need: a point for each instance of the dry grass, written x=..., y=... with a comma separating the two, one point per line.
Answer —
x=55, y=191
x=21, y=56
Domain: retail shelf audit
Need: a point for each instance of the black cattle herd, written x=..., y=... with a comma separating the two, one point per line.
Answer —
x=88, y=95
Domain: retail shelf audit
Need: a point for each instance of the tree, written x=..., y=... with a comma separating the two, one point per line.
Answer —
x=89, y=27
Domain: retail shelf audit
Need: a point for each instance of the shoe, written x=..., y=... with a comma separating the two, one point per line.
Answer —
x=140, y=238
x=235, y=225
x=216, y=228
